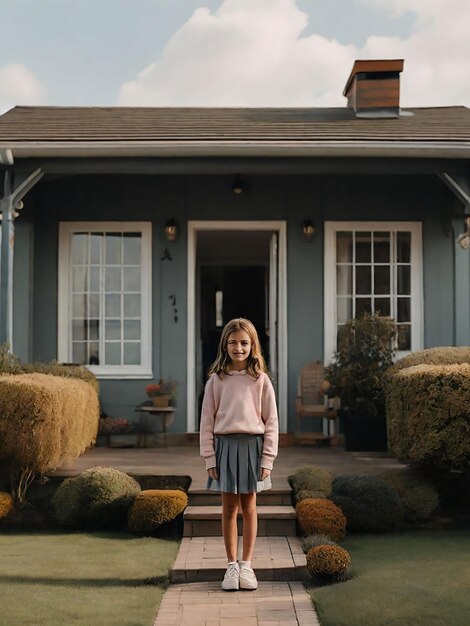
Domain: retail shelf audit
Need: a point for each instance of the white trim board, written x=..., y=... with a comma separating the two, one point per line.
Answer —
x=193, y=228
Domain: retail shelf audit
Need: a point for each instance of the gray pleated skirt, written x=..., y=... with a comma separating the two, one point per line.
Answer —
x=238, y=458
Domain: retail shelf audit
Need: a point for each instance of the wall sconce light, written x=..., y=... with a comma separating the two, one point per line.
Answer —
x=463, y=240
x=237, y=186
x=171, y=230
x=308, y=230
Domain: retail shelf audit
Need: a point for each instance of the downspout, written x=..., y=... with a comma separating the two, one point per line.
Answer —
x=9, y=203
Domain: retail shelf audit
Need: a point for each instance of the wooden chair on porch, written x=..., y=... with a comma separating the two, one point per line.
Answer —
x=312, y=403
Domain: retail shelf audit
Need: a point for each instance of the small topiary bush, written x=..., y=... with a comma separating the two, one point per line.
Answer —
x=6, y=504
x=316, y=515
x=99, y=497
x=305, y=493
x=418, y=495
x=155, y=507
x=329, y=563
x=311, y=478
x=368, y=502
x=313, y=541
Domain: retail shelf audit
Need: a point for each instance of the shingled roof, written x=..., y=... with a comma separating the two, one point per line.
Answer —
x=35, y=131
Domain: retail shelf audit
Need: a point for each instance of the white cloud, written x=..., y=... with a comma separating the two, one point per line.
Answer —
x=254, y=53
x=19, y=86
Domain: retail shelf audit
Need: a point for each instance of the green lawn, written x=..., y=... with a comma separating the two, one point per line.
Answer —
x=92, y=579
x=417, y=578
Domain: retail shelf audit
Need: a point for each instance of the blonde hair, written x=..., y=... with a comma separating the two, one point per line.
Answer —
x=256, y=363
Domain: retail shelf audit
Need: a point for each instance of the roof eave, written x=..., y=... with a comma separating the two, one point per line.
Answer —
x=409, y=149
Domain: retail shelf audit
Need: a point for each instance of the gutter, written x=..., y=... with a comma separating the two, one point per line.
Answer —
x=67, y=149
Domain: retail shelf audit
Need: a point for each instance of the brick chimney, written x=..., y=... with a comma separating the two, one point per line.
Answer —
x=373, y=88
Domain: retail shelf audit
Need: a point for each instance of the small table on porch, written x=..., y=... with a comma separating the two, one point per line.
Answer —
x=164, y=413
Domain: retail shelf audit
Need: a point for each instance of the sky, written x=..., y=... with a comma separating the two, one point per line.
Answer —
x=227, y=52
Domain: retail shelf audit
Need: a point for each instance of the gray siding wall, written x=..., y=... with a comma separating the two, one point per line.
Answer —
x=289, y=198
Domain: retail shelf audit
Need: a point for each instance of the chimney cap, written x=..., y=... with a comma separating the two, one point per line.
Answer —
x=373, y=66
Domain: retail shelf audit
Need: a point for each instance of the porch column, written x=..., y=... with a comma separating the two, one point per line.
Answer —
x=461, y=287
x=11, y=200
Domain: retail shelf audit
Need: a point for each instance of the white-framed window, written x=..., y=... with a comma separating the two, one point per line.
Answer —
x=104, y=299
x=374, y=266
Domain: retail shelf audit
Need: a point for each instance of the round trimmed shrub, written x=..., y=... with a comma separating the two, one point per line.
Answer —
x=368, y=502
x=6, y=504
x=306, y=493
x=316, y=515
x=155, y=507
x=418, y=495
x=313, y=541
x=311, y=478
x=329, y=561
x=99, y=497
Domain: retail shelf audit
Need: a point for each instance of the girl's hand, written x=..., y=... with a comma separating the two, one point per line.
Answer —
x=212, y=471
x=265, y=473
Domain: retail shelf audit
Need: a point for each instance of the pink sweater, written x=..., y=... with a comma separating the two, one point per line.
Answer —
x=239, y=404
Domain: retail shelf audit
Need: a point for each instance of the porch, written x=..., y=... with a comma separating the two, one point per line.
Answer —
x=185, y=460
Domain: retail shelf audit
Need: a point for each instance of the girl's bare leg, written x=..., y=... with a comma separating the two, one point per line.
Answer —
x=229, y=524
x=250, y=524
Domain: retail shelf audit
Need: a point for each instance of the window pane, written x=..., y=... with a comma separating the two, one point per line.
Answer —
x=78, y=352
x=131, y=353
x=404, y=337
x=132, y=279
x=363, y=279
x=94, y=353
x=131, y=305
x=404, y=281
x=403, y=247
x=96, y=243
x=113, y=353
x=112, y=281
x=344, y=280
x=113, y=329
x=95, y=278
x=79, y=279
x=94, y=326
x=132, y=248
x=382, y=306
x=79, y=330
x=94, y=305
x=344, y=309
x=79, y=304
x=381, y=247
x=404, y=309
x=344, y=247
x=363, y=247
x=132, y=329
x=113, y=305
x=79, y=252
x=113, y=248
x=382, y=279
x=363, y=305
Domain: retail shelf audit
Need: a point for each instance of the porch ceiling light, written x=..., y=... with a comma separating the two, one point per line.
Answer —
x=237, y=186
x=463, y=240
x=308, y=230
x=171, y=230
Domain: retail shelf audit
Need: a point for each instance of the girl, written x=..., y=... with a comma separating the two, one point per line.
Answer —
x=239, y=439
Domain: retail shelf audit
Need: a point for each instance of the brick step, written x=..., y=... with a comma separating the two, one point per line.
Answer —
x=205, y=521
x=272, y=497
x=203, y=559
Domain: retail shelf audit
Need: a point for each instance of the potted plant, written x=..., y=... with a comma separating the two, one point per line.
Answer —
x=366, y=347
x=162, y=393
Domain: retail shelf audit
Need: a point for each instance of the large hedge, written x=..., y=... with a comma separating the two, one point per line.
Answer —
x=428, y=414
x=44, y=421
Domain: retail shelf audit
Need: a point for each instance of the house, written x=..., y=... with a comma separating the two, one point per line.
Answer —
x=139, y=231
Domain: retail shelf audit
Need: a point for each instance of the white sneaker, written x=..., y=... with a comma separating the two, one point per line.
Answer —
x=231, y=578
x=247, y=578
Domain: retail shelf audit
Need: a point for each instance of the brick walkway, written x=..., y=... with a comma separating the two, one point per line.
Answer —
x=205, y=604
